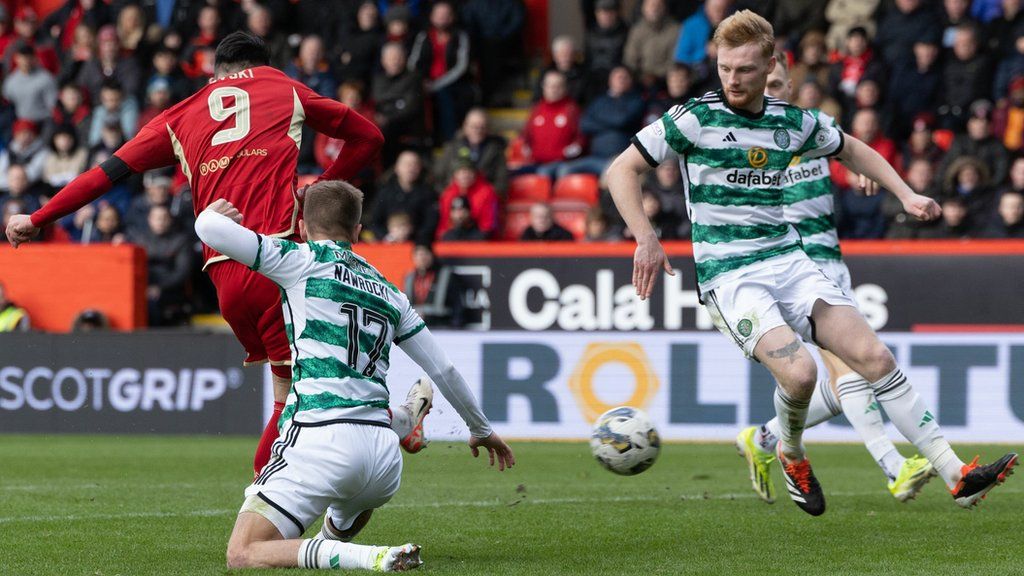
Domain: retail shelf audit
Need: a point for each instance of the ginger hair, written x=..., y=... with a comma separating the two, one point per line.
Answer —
x=746, y=27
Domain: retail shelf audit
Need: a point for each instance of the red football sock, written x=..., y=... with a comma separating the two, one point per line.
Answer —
x=267, y=440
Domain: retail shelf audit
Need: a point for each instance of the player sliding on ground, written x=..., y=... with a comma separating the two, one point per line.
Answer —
x=760, y=287
x=336, y=453
x=238, y=138
x=808, y=205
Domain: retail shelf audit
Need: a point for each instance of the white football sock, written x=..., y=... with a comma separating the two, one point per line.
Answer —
x=823, y=407
x=401, y=421
x=864, y=412
x=767, y=436
x=908, y=412
x=330, y=554
x=792, y=415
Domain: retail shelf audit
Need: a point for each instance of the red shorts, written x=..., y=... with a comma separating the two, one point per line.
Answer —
x=251, y=305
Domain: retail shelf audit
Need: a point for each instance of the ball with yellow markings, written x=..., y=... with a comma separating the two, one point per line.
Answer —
x=625, y=441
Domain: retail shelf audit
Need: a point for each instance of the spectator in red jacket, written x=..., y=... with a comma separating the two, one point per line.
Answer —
x=71, y=110
x=865, y=127
x=483, y=201
x=856, y=62
x=26, y=27
x=552, y=134
x=198, y=57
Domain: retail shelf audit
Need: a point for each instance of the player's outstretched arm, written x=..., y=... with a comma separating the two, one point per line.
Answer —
x=428, y=354
x=624, y=184
x=363, y=139
x=863, y=159
x=218, y=226
x=149, y=149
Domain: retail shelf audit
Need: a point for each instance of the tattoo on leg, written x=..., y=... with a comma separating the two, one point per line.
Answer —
x=788, y=351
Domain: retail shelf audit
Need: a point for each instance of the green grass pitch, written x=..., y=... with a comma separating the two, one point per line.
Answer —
x=105, y=506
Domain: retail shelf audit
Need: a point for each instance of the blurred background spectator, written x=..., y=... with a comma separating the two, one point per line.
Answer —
x=358, y=49
x=495, y=28
x=26, y=149
x=114, y=109
x=563, y=60
x=552, y=132
x=475, y=143
x=398, y=95
x=406, y=192
x=441, y=54
x=482, y=201
x=543, y=227
x=168, y=265
x=651, y=43
x=605, y=42
x=66, y=159
x=434, y=290
x=1009, y=220
x=460, y=225
x=30, y=88
x=608, y=123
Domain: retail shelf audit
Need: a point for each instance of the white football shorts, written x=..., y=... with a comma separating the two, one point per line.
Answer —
x=781, y=291
x=837, y=271
x=340, y=468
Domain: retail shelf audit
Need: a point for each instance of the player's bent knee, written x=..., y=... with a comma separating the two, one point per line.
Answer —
x=799, y=377
x=872, y=361
x=880, y=361
x=238, y=556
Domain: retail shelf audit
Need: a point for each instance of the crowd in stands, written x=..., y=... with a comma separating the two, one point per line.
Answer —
x=935, y=86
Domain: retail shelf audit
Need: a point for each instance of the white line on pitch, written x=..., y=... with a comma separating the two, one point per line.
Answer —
x=524, y=501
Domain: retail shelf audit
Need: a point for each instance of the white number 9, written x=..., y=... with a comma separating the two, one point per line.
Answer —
x=220, y=113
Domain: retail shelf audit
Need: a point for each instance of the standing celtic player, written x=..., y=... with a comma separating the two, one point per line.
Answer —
x=761, y=289
x=809, y=207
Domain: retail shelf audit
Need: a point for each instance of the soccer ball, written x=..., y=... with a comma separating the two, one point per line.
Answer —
x=625, y=441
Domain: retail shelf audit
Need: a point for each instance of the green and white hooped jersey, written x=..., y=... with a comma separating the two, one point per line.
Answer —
x=810, y=205
x=341, y=317
x=734, y=167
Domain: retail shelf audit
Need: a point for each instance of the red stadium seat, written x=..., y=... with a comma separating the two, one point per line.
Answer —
x=529, y=189
x=582, y=187
x=517, y=218
x=572, y=219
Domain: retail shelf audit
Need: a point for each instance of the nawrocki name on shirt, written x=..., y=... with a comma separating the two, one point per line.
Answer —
x=345, y=276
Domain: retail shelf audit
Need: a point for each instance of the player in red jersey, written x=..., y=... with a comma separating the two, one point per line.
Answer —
x=238, y=139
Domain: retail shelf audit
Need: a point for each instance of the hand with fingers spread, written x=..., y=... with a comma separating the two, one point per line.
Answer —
x=648, y=261
x=223, y=207
x=496, y=447
x=922, y=207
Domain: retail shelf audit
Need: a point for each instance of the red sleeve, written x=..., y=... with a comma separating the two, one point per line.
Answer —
x=150, y=149
x=362, y=138
x=79, y=192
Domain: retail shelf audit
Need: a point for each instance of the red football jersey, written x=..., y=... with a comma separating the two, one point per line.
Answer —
x=238, y=138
